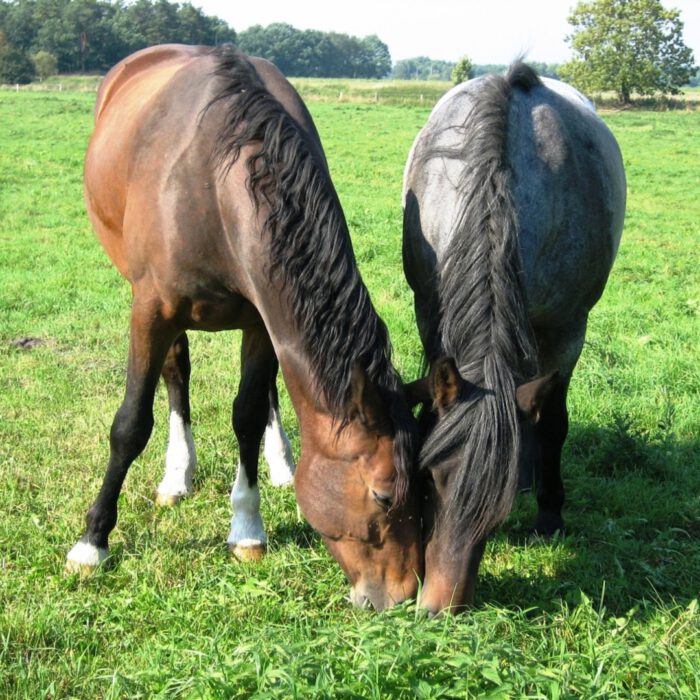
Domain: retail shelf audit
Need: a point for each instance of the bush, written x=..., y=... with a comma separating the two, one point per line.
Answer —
x=462, y=70
x=45, y=63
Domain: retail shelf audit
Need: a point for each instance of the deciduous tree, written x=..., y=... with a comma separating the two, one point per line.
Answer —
x=627, y=46
x=15, y=66
x=462, y=70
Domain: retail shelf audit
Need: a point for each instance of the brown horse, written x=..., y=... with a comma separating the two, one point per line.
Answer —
x=206, y=183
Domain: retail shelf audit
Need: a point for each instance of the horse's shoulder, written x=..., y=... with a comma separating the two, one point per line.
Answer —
x=157, y=63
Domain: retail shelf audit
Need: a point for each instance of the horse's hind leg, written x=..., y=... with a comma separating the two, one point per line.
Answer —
x=181, y=458
x=278, y=451
x=251, y=408
x=551, y=431
x=150, y=338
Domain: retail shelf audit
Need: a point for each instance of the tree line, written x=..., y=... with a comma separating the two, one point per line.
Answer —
x=68, y=36
x=629, y=46
x=312, y=53
x=92, y=35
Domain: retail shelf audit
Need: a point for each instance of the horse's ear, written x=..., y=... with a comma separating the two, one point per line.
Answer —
x=532, y=396
x=444, y=383
x=417, y=391
x=365, y=402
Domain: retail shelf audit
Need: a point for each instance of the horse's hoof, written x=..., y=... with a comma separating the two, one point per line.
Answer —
x=83, y=570
x=254, y=552
x=85, y=558
x=548, y=525
x=168, y=500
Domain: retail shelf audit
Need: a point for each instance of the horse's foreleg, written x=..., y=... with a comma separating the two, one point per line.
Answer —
x=247, y=538
x=181, y=458
x=278, y=451
x=551, y=432
x=150, y=339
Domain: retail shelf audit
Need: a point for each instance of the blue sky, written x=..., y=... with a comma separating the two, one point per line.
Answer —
x=488, y=31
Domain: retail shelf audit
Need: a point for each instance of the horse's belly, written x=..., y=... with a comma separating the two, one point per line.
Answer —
x=233, y=313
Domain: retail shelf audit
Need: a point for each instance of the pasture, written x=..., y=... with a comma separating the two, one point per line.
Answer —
x=608, y=611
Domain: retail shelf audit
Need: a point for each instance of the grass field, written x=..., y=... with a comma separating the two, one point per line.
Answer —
x=609, y=611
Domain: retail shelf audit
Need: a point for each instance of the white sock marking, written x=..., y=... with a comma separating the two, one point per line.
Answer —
x=246, y=524
x=86, y=554
x=180, y=459
x=278, y=452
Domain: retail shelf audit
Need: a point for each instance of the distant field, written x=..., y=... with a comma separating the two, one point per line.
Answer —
x=417, y=93
x=387, y=92
x=609, y=611
x=402, y=92
x=59, y=83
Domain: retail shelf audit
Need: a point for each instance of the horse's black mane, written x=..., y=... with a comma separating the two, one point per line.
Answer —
x=482, y=319
x=310, y=249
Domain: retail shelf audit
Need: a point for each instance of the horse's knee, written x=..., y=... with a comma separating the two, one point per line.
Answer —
x=130, y=432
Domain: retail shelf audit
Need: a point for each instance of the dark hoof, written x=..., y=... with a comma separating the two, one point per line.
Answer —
x=548, y=525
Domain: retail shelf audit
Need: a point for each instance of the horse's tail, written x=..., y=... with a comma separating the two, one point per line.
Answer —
x=484, y=320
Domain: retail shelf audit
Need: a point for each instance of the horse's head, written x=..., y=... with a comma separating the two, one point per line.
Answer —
x=454, y=546
x=352, y=486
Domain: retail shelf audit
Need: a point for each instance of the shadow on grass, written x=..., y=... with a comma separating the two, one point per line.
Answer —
x=632, y=515
x=300, y=534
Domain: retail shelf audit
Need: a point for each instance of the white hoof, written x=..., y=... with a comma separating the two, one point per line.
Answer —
x=85, y=557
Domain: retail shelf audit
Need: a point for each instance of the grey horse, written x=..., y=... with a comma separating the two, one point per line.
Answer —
x=514, y=201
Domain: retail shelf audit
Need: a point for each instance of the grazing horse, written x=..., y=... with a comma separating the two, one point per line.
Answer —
x=514, y=200
x=206, y=183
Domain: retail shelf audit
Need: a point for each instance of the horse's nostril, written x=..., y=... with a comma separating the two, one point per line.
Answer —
x=358, y=599
x=382, y=500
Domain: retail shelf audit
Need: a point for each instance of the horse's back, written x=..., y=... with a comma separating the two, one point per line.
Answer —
x=567, y=188
x=569, y=193
x=147, y=70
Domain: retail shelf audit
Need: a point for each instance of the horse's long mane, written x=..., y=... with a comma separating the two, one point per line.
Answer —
x=483, y=321
x=311, y=253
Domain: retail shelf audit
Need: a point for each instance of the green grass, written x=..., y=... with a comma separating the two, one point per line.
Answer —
x=609, y=611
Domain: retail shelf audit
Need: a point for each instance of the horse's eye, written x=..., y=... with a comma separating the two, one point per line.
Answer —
x=382, y=500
